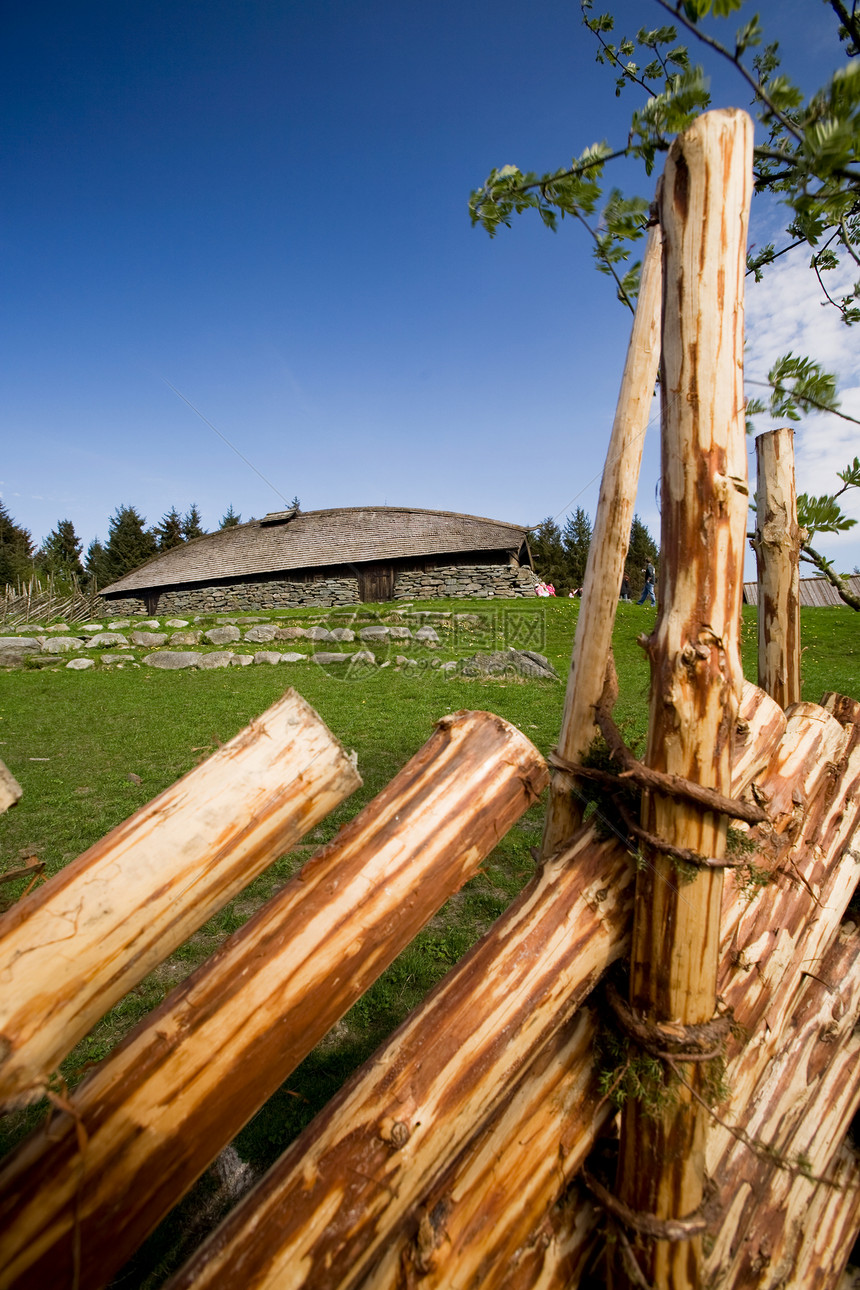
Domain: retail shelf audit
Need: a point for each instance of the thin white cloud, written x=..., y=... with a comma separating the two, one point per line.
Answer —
x=784, y=313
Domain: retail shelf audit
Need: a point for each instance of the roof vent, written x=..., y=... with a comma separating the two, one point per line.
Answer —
x=279, y=517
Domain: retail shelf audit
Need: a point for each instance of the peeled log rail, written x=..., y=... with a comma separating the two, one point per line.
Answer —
x=777, y=549
x=608, y=549
x=498, y=1246
x=161, y=1107
x=327, y=1209
x=74, y=947
x=10, y=789
x=800, y=1108
x=486, y=1029
x=696, y=675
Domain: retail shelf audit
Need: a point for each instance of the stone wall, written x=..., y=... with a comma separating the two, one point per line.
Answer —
x=468, y=581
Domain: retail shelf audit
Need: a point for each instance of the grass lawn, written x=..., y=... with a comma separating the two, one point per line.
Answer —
x=73, y=738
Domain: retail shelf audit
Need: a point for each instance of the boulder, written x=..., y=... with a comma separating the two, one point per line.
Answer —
x=521, y=662
x=378, y=633
x=290, y=633
x=173, y=660
x=325, y=659
x=427, y=634
x=265, y=632
x=176, y=622
x=241, y=660
x=400, y=633
x=222, y=635
x=106, y=638
x=342, y=634
x=318, y=634
x=186, y=638
x=267, y=656
x=217, y=658
x=62, y=644
x=117, y=658
x=293, y=657
x=80, y=664
x=148, y=624
x=14, y=649
x=149, y=639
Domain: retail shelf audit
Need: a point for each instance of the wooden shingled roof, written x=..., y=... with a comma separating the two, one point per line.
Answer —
x=283, y=541
x=814, y=592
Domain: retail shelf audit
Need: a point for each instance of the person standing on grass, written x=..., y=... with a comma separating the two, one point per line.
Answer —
x=648, y=589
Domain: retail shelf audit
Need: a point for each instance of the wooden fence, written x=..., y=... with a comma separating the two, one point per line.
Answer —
x=482, y=1146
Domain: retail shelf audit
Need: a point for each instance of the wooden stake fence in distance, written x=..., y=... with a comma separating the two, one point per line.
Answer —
x=777, y=549
x=696, y=675
x=608, y=549
x=75, y=946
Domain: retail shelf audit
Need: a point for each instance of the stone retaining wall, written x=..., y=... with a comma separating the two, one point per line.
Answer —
x=275, y=594
x=466, y=582
x=463, y=581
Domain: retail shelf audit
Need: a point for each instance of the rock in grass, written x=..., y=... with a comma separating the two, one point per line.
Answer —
x=217, y=658
x=222, y=635
x=173, y=660
x=149, y=639
x=519, y=662
x=267, y=656
x=342, y=634
x=176, y=622
x=241, y=660
x=62, y=644
x=265, y=632
x=14, y=649
x=290, y=633
x=106, y=638
x=80, y=664
x=325, y=658
x=186, y=638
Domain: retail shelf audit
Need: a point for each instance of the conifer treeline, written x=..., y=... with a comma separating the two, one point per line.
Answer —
x=560, y=555
x=129, y=544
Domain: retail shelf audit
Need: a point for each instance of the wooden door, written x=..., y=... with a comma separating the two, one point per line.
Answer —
x=375, y=582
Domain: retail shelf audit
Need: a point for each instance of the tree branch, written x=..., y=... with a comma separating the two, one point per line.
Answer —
x=813, y=557
x=756, y=85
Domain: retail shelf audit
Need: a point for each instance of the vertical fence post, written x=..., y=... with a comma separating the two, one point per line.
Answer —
x=608, y=550
x=696, y=675
x=777, y=549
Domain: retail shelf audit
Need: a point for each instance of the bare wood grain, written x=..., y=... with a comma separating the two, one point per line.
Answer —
x=696, y=674
x=160, y=1108
x=608, y=549
x=76, y=945
x=777, y=548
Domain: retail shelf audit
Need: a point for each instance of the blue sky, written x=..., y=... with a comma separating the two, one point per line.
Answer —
x=264, y=205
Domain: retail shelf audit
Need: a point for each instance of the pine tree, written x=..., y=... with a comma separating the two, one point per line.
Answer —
x=192, y=524
x=168, y=533
x=230, y=519
x=16, y=550
x=129, y=544
x=60, y=553
x=548, y=554
x=576, y=540
x=641, y=551
x=96, y=566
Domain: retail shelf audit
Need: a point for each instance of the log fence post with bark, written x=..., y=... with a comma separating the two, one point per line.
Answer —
x=776, y=543
x=695, y=663
x=608, y=550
